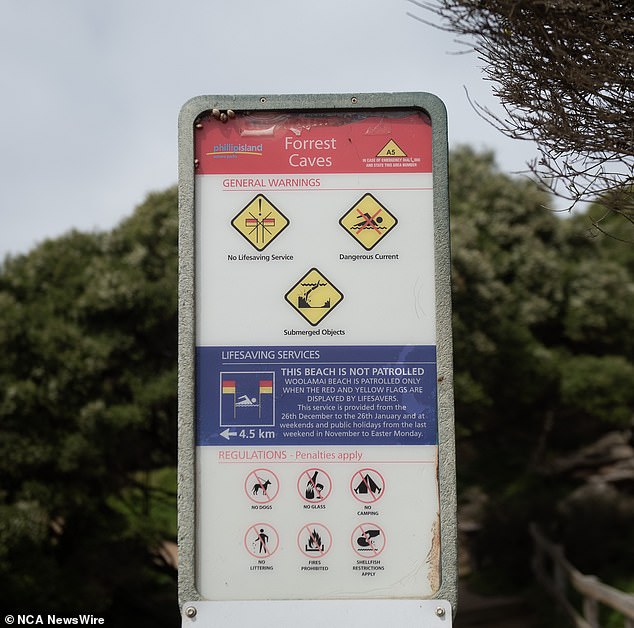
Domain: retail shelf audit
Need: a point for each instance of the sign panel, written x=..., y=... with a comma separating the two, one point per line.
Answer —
x=318, y=434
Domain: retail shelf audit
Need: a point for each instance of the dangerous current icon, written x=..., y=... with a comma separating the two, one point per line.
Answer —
x=314, y=296
x=368, y=221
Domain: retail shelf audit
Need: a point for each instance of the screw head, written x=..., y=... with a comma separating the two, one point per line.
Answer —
x=190, y=611
x=440, y=611
x=263, y=99
x=354, y=100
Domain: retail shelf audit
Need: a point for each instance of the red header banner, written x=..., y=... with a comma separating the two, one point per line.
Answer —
x=317, y=143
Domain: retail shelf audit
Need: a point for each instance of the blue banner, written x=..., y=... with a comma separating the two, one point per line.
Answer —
x=335, y=395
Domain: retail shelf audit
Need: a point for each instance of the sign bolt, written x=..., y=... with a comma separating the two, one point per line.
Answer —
x=354, y=100
x=190, y=611
x=440, y=611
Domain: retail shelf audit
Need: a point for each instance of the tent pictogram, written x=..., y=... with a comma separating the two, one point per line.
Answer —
x=368, y=222
x=313, y=296
x=391, y=149
x=367, y=486
x=260, y=222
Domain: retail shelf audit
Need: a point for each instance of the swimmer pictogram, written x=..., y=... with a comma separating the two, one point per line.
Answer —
x=368, y=221
x=247, y=399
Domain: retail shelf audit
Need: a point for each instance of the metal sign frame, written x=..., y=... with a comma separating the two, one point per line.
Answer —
x=434, y=108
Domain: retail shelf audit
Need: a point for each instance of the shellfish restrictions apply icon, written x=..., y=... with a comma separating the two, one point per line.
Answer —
x=368, y=221
x=313, y=296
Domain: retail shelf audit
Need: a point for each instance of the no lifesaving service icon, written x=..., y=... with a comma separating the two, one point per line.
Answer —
x=368, y=222
x=260, y=222
x=313, y=296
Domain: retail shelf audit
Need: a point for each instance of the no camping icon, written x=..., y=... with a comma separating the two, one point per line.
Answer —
x=367, y=486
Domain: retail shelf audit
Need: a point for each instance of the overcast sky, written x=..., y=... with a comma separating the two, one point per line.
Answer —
x=92, y=90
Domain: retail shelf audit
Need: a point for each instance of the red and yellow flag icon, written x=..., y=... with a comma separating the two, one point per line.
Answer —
x=266, y=387
x=229, y=387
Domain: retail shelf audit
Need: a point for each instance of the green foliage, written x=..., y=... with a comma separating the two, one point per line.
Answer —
x=88, y=417
x=543, y=353
x=598, y=390
x=543, y=339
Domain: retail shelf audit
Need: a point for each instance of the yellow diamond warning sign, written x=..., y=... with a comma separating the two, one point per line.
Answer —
x=313, y=296
x=368, y=221
x=391, y=149
x=260, y=222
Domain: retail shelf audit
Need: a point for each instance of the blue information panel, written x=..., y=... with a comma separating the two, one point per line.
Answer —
x=374, y=395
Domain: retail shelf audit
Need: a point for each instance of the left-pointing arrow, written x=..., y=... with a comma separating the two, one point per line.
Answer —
x=228, y=433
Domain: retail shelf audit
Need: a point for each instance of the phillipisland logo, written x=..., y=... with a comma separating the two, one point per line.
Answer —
x=232, y=151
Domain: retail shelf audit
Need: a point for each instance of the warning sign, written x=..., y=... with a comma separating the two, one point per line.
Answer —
x=313, y=296
x=368, y=222
x=391, y=149
x=260, y=222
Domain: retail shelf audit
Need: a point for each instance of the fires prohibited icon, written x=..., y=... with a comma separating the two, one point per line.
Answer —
x=314, y=540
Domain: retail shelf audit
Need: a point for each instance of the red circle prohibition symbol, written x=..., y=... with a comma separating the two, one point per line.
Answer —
x=314, y=540
x=261, y=540
x=260, y=488
x=368, y=540
x=367, y=486
x=311, y=487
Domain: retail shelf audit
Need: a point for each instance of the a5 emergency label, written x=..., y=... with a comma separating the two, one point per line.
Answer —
x=331, y=395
